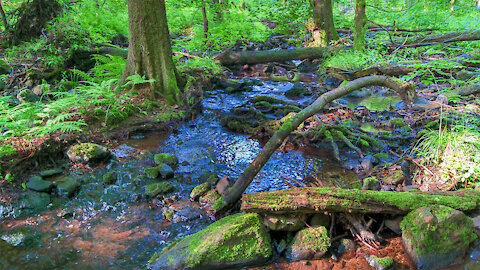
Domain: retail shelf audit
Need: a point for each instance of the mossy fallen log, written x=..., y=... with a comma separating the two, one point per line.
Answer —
x=321, y=199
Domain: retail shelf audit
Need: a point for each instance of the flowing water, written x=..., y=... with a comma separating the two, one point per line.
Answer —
x=110, y=227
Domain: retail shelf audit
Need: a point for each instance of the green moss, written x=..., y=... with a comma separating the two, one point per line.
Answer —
x=200, y=190
x=87, y=149
x=435, y=235
x=406, y=128
x=158, y=189
x=266, y=99
x=384, y=262
x=396, y=122
x=287, y=125
x=166, y=158
x=315, y=238
x=219, y=203
x=378, y=103
x=381, y=156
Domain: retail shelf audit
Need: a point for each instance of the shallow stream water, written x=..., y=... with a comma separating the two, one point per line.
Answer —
x=111, y=227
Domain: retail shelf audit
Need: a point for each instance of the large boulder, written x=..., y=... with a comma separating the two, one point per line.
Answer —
x=66, y=186
x=233, y=241
x=158, y=189
x=166, y=158
x=437, y=236
x=309, y=243
x=87, y=152
x=37, y=183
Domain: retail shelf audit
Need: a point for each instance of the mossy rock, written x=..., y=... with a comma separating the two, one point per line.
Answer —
x=158, y=189
x=375, y=103
x=35, y=200
x=297, y=90
x=36, y=183
x=234, y=241
x=87, y=153
x=66, y=186
x=200, y=190
x=371, y=183
x=383, y=263
x=110, y=177
x=161, y=171
x=210, y=177
x=393, y=177
x=4, y=67
x=210, y=197
x=27, y=95
x=309, y=243
x=51, y=172
x=437, y=236
x=166, y=158
x=284, y=222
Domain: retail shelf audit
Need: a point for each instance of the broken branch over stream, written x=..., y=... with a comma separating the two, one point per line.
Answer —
x=322, y=199
x=405, y=90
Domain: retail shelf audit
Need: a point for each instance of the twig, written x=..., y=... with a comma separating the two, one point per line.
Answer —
x=293, y=180
x=187, y=55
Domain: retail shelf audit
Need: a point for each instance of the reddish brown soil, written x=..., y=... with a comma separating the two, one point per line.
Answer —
x=352, y=260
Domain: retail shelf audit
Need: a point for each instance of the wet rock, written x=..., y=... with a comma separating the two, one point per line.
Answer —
x=166, y=158
x=384, y=263
x=222, y=185
x=210, y=197
x=437, y=236
x=281, y=246
x=475, y=255
x=345, y=246
x=51, y=172
x=27, y=95
x=309, y=243
x=158, y=189
x=234, y=241
x=163, y=171
x=36, y=183
x=87, y=152
x=15, y=239
x=35, y=200
x=284, y=222
x=297, y=90
x=319, y=220
x=371, y=183
x=394, y=224
x=210, y=177
x=367, y=162
x=110, y=178
x=66, y=186
x=200, y=190
x=182, y=211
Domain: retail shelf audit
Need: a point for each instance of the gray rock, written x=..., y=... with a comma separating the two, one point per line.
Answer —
x=158, y=189
x=371, y=183
x=36, y=183
x=394, y=224
x=165, y=171
x=297, y=90
x=35, y=200
x=51, y=172
x=284, y=222
x=66, y=186
x=209, y=177
x=200, y=190
x=222, y=185
x=234, y=241
x=319, y=220
x=437, y=236
x=87, y=152
x=309, y=243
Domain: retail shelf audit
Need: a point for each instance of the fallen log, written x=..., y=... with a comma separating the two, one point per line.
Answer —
x=405, y=90
x=419, y=41
x=322, y=199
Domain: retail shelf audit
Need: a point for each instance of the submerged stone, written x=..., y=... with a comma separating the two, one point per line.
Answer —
x=87, y=152
x=163, y=171
x=209, y=177
x=437, y=236
x=158, y=189
x=297, y=90
x=200, y=190
x=110, y=177
x=35, y=200
x=37, y=183
x=66, y=186
x=309, y=243
x=166, y=158
x=234, y=241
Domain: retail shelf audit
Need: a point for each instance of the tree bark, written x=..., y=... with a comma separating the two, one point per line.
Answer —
x=405, y=90
x=419, y=41
x=4, y=17
x=321, y=199
x=149, y=51
x=359, y=24
x=323, y=19
x=205, y=22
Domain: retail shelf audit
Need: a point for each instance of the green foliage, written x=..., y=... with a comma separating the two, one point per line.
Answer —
x=351, y=60
x=455, y=150
x=433, y=72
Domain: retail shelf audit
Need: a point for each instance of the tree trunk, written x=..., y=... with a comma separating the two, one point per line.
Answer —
x=359, y=24
x=205, y=23
x=323, y=19
x=256, y=57
x=149, y=51
x=4, y=17
x=419, y=41
x=321, y=199
x=405, y=90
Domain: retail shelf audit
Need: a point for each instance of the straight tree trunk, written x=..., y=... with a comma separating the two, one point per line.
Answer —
x=149, y=51
x=323, y=19
x=321, y=199
x=4, y=17
x=420, y=41
x=405, y=90
x=205, y=23
x=359, y=25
